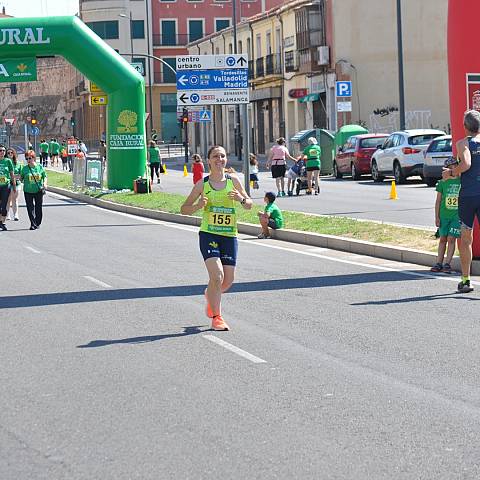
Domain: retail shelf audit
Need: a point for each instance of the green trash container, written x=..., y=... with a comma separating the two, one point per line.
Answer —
x=345, y=132
x=325, y=139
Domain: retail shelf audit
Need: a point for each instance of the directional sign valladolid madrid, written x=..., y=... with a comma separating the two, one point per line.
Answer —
x=212, y=79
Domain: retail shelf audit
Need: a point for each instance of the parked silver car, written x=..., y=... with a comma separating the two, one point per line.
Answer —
x=435, y=155
x=401, y=155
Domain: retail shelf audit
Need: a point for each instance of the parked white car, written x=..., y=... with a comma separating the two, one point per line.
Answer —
x=437, y=152
x=401, y=155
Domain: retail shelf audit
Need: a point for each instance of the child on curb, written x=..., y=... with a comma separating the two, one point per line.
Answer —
x=446, y=219
x=254, y=171
x=271, y=217
x=197, y=168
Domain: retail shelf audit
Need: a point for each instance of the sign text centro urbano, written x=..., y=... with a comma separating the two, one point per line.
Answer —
x=212, y=79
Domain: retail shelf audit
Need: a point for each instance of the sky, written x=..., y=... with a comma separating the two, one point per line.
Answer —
x=39, y=8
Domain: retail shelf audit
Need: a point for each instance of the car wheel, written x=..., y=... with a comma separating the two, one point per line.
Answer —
x=430, y=181
x=336, y=173
x=375, y=174
x=398, y=174
x=355, y=174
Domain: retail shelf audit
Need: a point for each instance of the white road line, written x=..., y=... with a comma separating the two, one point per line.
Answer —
x=98, y=282
x=300, y=252
x=34, y=250
x=234, y=349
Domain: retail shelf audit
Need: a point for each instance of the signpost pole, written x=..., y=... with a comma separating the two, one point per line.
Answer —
x=246, y=143
x=26, y=136
x=186, y=142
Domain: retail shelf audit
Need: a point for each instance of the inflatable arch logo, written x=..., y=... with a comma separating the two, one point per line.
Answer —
x=72, y=39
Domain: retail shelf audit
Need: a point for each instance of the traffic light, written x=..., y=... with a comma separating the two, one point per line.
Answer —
x=33, y=121
x=72, y=121
x=185, y=116
x=13, y=88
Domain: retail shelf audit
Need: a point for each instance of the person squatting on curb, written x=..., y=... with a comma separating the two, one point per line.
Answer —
x=271, y=217
x=468, y=151
x=446, y=218
x=217, y=196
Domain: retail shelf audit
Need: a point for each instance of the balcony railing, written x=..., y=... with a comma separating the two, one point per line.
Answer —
x=260, y=67
x=273, y=64
x=291, y=61
x=178, y=40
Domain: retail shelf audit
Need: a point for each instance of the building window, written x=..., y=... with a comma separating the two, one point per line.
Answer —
x=168, y=75
x=221, y=23
x=169, y=32
x=195, y=30
x=138, y=29
x=105, y=30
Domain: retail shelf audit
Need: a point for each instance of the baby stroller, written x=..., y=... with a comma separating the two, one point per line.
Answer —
x=302, y=183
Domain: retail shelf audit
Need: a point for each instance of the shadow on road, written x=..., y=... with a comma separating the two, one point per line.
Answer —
x=426, y=298
x=65, y=298
x=193, y=330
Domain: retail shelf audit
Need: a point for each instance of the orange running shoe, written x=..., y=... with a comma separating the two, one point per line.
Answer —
x=219, y=324
x=208, y=308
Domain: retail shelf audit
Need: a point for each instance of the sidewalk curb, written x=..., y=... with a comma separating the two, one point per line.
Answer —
x=360, y=247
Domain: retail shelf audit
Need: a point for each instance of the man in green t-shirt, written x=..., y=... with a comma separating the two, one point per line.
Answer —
x=313, y=153
x=446, y=219
x=271, y=217
x=7, y=181
x=44, y=152
x=54, y=150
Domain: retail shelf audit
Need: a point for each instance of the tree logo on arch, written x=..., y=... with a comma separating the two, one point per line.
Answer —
x=128, y=119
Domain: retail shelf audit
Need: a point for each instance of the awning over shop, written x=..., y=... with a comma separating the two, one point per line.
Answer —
x=311, y=97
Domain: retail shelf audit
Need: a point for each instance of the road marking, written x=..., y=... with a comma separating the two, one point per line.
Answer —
x=98, y=282
x=34, y=250
x=300, y=252
x=234, y=349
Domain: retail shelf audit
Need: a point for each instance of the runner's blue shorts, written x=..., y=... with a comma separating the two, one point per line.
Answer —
x=219, y=246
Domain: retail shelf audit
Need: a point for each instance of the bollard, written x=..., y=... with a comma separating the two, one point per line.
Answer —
x=185, y=173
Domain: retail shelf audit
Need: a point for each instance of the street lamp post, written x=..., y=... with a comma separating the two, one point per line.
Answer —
x=149, y=51
x=131, y=32
x=401, y=86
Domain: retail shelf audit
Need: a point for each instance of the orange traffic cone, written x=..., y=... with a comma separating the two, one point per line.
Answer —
x=393, y=191
x=185, y=173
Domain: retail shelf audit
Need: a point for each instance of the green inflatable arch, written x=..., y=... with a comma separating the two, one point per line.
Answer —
x=72, y=39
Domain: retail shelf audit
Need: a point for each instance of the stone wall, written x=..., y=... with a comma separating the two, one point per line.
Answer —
x=48, y=96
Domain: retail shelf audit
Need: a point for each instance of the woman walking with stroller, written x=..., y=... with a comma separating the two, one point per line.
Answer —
x=313, y=153
x=277, y=160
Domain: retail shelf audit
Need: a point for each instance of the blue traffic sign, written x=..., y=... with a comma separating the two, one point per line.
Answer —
x=35, y=131
x=212, y=79
x=205, y=116
x=344, y=89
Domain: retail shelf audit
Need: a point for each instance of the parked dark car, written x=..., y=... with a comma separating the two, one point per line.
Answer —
x=437, y=152
x=353, y=158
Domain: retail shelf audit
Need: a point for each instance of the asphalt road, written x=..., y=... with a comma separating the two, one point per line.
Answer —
x=363, y=199
x=338, y=366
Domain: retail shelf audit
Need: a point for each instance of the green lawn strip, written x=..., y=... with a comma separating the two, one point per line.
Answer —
x=328, y=225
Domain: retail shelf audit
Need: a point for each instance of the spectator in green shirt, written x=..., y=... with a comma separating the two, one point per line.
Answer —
x=154, y=160
x=271, y=217
x=34, y=181
x=313, y=153
x=7, y=182
x=44, y=147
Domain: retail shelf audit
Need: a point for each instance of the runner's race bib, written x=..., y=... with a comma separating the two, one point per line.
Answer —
x=221, y=220
x=451, y=202
x=3, y=179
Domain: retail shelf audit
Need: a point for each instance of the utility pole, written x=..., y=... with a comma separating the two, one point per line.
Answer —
x=149, y=52
x=401, y=86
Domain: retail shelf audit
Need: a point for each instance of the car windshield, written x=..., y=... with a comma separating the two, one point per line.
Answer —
x=441, y=146
x=372, y=142
x=422, y=139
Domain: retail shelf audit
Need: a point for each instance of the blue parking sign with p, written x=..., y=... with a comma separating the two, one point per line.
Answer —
x=344, y=89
